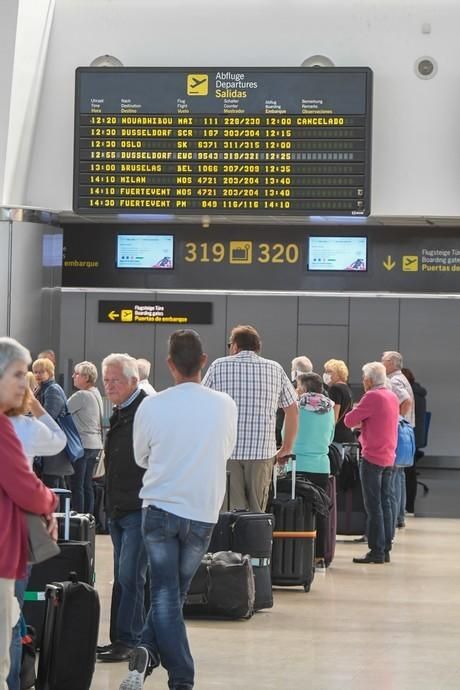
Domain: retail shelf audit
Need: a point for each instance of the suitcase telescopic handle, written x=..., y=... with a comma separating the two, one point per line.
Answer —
x=292, y=458
x=67, y=495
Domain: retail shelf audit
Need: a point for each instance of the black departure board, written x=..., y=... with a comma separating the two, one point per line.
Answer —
x=294, y=141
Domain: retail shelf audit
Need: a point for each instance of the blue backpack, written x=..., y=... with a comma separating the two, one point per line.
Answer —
x=405, y=449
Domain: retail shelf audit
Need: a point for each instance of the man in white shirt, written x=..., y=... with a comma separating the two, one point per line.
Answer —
x=183, y=436
x=144, y=367
x=259, y=387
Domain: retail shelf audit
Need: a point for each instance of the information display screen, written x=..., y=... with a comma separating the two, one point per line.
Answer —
x=223, y=141
x=337, y=253
x=145, y=251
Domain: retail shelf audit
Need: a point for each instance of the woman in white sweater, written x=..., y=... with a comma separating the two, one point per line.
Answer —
x=35, y=428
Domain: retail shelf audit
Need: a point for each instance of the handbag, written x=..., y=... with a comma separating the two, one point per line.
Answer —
x=74, y=447
x=41, y=545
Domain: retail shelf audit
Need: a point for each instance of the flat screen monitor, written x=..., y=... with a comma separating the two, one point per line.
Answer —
x=337, y=254
x=145, y=251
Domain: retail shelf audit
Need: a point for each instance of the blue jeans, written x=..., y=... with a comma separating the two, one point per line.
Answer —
x=14, y=676
x=130, y=570
x=398, y=498
x=376, y=483
x=175, y=547
x=81, y=483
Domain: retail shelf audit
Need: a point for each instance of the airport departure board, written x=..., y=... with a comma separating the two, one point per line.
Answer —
x=265, y=141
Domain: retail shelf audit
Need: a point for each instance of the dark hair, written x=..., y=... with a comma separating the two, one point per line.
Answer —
x=408, y=374
x=310, y=383
x=246, y=338
x=185, y=350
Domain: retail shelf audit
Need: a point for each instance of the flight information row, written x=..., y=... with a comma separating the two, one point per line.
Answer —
x=222, y=192
x=355, y=207
x=221, y=133
x=87, y=145
x=293, y=168
x=224, y=180
x=207, y=120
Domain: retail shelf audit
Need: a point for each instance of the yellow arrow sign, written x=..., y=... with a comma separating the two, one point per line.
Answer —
x=113, y=315
x=389, y=264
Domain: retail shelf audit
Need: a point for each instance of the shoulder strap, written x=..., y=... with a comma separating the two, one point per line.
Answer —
x=100, y=414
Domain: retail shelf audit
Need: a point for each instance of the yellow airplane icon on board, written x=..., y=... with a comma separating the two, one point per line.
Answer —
x=197, y=84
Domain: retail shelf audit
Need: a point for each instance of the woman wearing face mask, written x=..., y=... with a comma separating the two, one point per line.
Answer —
x=335, y=378
x=314, y=435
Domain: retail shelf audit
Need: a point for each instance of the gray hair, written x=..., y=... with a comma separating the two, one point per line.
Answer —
x=302, y=364
x=144, y=368
x=87, y=369
x=375, y=371
x=12, y=351
x=395, y=357
x=127, y=363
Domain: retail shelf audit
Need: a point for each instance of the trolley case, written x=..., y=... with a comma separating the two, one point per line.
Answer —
x=248, y=533
x=293, y=551
x=223, y=587
x=331, y=524
x=68, y=651
x=351, y=514
x=76, y=556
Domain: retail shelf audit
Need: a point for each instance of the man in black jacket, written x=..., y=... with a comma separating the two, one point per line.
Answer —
x=124, y=508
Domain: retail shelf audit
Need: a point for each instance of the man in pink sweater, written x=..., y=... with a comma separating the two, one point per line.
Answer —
x=377, y=416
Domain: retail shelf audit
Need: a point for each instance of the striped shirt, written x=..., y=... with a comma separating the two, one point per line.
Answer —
x=259, y=387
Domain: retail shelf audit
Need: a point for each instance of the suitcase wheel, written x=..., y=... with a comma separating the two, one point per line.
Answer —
x=306, y=588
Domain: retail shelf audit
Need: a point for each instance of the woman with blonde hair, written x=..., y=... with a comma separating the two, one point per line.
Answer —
x=336, y=379
x=86, y=408
x=53, y=399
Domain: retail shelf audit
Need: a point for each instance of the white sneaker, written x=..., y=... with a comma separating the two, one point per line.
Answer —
x=139, y=662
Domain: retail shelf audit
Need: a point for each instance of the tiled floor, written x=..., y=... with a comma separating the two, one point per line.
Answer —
x=389, y=627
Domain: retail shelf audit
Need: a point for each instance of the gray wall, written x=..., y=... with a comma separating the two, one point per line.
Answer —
x=30, y=296
x=351, y=328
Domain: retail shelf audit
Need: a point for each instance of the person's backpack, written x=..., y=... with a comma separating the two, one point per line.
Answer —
x=405, y=449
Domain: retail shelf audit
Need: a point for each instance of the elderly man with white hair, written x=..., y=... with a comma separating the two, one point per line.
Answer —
x=377, y=415
x=124, y=507
x=393, y=362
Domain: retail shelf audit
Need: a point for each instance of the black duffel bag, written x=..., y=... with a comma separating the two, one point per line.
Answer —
x=223, y=587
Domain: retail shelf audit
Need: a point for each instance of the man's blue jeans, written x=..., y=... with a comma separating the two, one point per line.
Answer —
x=175, y=547
x=377, y=493
x=130, y=570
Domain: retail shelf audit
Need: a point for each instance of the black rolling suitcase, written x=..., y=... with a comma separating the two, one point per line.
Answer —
x=68, y=650
x=76, y=556
x=252, y=534
x=223, y=587
x=351, y=514
x=293, y=553
x=82, y=527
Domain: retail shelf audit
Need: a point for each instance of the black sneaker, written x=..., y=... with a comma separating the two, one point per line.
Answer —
x=368, y=558
x=387, y=557
x=139, y=667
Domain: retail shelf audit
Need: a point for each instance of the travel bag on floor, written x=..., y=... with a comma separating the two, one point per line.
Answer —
x=331, y=524
x=223, y=587
x=68, y=649
x=293, y=552
x=252, y=534
x=351, y=515
x=76, y=556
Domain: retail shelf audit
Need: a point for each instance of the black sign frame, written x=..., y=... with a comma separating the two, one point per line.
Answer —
x=359, y=196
